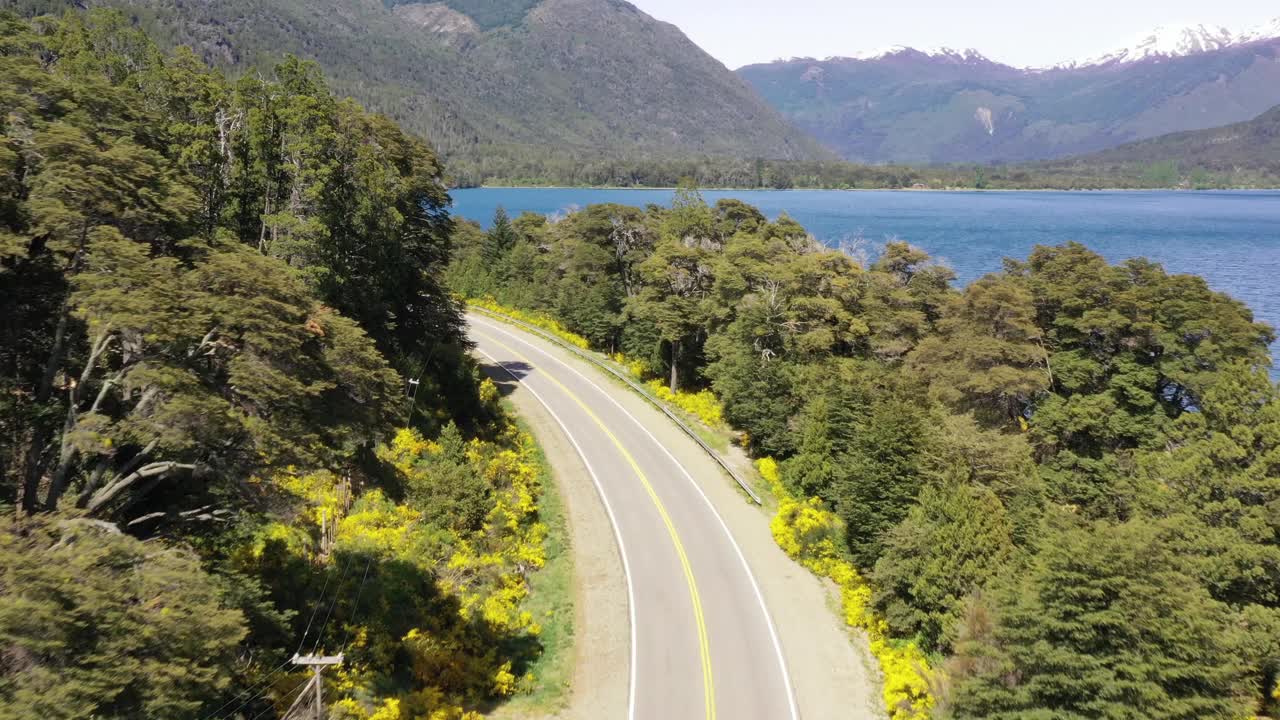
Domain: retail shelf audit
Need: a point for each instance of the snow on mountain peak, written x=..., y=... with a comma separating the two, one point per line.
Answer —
x=1170, y=41
x=968, y=55
x=1265, y=31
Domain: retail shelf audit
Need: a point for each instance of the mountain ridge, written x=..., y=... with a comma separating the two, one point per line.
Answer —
x=1170, y=41
x=1162, y=41
x=486, y=79
x=912, y=107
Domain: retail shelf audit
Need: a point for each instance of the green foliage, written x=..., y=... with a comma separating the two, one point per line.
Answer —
x=451, y=493
x=949, y=546
x=99, y=624
x=861, y=448
x=208, y=289
x=177, y=249
x=1105, y=623
x=1130, y=349
x=988, y=357
x=500, y=239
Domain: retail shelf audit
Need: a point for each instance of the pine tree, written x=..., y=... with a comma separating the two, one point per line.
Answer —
x=500, y=238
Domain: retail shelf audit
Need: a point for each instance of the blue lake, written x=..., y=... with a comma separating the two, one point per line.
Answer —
x=1230, y=238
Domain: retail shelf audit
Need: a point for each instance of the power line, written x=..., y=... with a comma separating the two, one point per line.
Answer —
x=355, y=608
x=329, y=614
x=251, y=692
x=296, y=688
x=314, y=610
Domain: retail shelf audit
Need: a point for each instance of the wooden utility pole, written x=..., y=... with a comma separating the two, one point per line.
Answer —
x=317, y=663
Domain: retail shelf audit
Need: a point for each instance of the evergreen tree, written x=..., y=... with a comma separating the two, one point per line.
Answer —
x=99, y=624
x=1106, y=622
x=500, y=238
x=952, y=542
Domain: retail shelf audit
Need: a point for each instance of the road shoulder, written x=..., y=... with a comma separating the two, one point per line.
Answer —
x=601, y=634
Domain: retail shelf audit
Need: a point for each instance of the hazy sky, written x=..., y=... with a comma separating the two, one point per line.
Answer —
x=1019, y=32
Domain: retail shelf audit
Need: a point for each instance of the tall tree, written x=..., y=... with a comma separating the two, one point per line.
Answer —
x=989, y=356
x=500, y=238
x=952, y=542
x=1106, y=622
x=99, y=624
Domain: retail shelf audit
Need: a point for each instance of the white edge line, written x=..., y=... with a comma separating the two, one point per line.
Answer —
x=764, y=609
x=613, y=522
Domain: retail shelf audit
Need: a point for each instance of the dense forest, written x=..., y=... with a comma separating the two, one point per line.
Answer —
x=216, y=297
x=1062, y=483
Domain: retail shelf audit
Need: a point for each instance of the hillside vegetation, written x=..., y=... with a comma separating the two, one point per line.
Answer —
x=493, y=82
x=1239, y=155
x=1050, y=494
x=214, y=295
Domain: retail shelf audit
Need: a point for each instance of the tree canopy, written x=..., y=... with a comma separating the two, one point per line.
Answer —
x=213, y=295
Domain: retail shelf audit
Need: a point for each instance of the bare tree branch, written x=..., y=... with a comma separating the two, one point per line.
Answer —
x=154, y=470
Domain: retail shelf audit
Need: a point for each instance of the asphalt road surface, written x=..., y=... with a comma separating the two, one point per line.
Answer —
x=703, y=644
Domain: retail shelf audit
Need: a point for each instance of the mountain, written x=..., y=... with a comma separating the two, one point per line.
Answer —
x=1250, y=146
x=492, y=79
x=947, y=106
x=1170, y=41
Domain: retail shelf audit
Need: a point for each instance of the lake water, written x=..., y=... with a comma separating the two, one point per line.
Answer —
x=1230, y=238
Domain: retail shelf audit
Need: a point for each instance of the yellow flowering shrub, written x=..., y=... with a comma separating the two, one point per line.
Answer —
x=536, y=319
x=811, y=535
x=317, y=490
x=458, y=630
x=703, y=404
x=637, y=369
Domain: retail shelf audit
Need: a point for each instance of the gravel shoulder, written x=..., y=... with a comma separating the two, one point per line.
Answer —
x=601, y=625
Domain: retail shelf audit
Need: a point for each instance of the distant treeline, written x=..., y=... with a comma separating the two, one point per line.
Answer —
x=535, y=167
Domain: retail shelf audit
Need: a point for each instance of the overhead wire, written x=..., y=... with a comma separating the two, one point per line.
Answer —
x=355, y=608
x=301, y=684
x=329, y=614
x=252, y=693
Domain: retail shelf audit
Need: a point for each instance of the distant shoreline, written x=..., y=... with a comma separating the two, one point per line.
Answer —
x=912, y=190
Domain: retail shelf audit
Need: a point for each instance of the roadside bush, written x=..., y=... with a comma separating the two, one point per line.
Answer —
x=813, y=535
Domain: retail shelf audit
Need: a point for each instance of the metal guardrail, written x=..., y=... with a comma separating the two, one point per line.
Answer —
x=591, y=358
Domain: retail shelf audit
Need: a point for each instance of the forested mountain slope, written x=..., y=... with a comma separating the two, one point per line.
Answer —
x=1251, y=144
x=495, y=79
x=1239, y=155
x=908, y=106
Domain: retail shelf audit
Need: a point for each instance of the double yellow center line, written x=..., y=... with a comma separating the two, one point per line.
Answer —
x=708, y=683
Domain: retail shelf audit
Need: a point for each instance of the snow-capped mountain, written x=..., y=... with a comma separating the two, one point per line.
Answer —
x=937, y=53
x=1169, y=41
x=904, y=105
x=1265, y=31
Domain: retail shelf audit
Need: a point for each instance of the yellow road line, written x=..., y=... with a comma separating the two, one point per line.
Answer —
x=708, y=682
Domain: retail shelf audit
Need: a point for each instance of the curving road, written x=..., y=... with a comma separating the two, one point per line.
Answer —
x=703, y=644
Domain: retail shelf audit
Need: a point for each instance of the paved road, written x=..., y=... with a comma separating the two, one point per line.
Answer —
x=702, y=642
